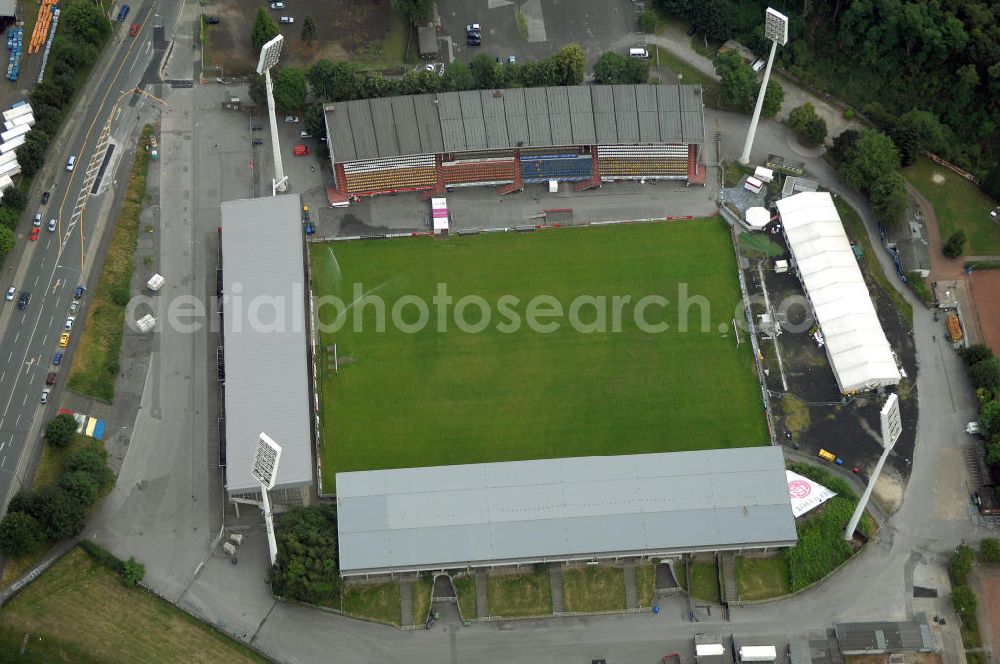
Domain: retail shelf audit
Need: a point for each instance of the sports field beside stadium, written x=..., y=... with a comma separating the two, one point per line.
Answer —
x=404, y=398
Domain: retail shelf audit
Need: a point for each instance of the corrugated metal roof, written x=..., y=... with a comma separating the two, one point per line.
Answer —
x=267, y=375
x=453, y=516
x=519, y=117
x=884, y=637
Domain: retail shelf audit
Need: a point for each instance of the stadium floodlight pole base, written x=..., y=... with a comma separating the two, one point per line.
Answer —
x=860, y=509
x=279, y=185
x=272, y=543
x=745, y=157
x=280, y=180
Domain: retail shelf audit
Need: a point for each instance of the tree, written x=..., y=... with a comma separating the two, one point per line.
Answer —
x=989, y=550
x=93, y=461
x=420, y=82
x=414, y=11
x=915, y=132
x=9, y=217
x=482, y=72
x=83, y=486
x=871, y=158
x=570, y=63
x=31, y=155
x=334, y=81
x=16, y=198
x=60, y=429
x=457, y=77
x=975, y=354
x=773, y=98
x=647, y=21
x=85, y=21
x=844, y=144
x=6, y=241
x=889, y=198
x=313, y=121
x=308, y=30
x=955, y=244
x=132, y=572
x=989, y=418
x=613, y=68
x=807, y=124
x=60, y=513
x=993, y=454
x=374, y=84
x=737, y=81
x=964, y=601
x=306, y=566
x=20, y=535
x=986, y=374
x=290, y=88
x=264, y=30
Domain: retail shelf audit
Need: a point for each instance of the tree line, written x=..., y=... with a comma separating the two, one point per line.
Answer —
x=927, y=73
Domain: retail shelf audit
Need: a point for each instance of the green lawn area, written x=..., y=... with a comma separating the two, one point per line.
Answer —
x=519, y=595
x=661, y=57
x=705, y=582
x=593, y=588
x=762, y=578
x=958, y=204
x=79, y=611
x=378, y=601
x=420, y=596
x=432, y=398
x=465, y=588
x=645, y=583
x=388, y=53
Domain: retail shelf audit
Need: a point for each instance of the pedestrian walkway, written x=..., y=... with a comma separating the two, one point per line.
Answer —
x=631, y=597
x=406, y=602
x=482, y=602
x=555, y=582
x=727, y=571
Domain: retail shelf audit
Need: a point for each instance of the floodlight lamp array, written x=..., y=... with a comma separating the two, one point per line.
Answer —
x=776, y=26
x=270, y=53
x=265, y=461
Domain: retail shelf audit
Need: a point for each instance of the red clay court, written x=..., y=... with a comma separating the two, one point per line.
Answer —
x=986, y=295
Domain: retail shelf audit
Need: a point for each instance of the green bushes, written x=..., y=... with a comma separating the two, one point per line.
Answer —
x=306, y=567
x=131, y=571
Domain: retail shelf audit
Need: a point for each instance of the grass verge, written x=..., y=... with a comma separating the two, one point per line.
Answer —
x=95, y=359
x=690, y=75
x=519, y=595
x=762, y=578
x=420, y=596
x=79, y=611
x=645, y=583
x=388, y=54
x=593, y=588
x=705, y=582
x=958, y=205
x=465, y=588
x=522, y=23
x=919, y=287
x=378, y=601
x=982, y=265
x=870, y=267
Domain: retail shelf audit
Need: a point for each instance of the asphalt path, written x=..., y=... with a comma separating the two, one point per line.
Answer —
x=53, y=266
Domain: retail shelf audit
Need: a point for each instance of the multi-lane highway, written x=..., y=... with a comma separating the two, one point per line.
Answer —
x=53, y=266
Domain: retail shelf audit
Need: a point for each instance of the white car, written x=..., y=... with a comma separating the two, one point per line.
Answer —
x=73, y=307
x=286, y=19
x=52, y=226
x=473, y=27
x=10, y=294
x=45, y=395
x=291, y=118
x=68, y=325
x=37, y=221
x=277, y=5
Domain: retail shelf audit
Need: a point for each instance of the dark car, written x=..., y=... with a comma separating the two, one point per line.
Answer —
x=57, y=358
x=50, y=379
x=257, y=141
x=122, y=13
x=256, y=127
x=45, y=197
x=212, y=19
x=78, y=293
x=474, y=40
x=22, y=302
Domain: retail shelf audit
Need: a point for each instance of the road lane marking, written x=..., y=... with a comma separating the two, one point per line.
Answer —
x=17, y=336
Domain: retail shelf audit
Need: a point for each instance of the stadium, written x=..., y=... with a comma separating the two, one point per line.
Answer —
x=509, y=138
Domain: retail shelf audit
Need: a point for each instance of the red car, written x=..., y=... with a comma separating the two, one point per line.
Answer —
x=134, y=30
x=34, y=234
x=300, y=150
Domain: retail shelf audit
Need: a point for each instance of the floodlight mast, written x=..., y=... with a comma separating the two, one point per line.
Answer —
x=265, y=471
x=892, y=427
x=775, y=29
x=269, y=55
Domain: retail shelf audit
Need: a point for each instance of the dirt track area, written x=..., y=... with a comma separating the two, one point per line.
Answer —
x=368, y=33
x=989, y=580
x=986, y=295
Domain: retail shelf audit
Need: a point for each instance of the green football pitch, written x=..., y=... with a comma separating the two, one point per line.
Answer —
x=410, y=395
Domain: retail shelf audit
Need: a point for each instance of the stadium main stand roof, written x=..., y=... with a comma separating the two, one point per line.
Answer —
x=855, y=342
x=518, y=117
x=487, y=514
x=267, y=376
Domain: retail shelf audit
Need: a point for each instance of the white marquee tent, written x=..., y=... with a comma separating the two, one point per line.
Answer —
x=855, y=342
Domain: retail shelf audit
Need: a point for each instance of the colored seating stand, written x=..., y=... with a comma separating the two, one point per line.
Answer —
x=499, y=170
x=15, y=43
x=540, y=168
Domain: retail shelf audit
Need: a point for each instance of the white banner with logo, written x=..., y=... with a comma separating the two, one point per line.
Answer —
x=805, y=494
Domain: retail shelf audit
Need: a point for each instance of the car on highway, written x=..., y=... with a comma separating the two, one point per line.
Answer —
x=50, y=379
x=78, y=293
x=45, y=395
x=10, y=294
x=52, y=226
x=291, y=118
x=33, y=235
x=256, y=141
x=57, y=358
x=134, y=30
x=37, y=221
x=64, y=339
x=122, y=13
x=45, y=197
x=68, y=325
x=22, y=302
x=71, y=162
x=286, y=19
x=74, y=307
